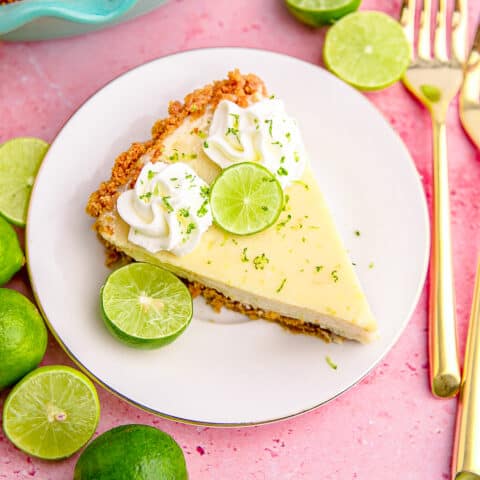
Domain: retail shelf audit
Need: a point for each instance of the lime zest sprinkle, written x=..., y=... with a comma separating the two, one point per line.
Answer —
x=168, y=206
x=304, y=185
x=282, y=171
x=233, y=131
x=244, y=255
x=371, y=265
x=319, y=268
x=357, y=233
x=145, y=196
x=203, y=210
x=150, y=174
x=334, y=274
x=288, y=135
x=304, y=239
x=331, y=363
x=264, y=208
x=270, y=126
x=236, y=120
x=190, y=228
x=204, y=191
x=205, y=144
x=279, y=289
x=184, y=212
x=260, y=261
x=284, y=222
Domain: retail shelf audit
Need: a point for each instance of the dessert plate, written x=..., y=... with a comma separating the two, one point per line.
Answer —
x=225, y=370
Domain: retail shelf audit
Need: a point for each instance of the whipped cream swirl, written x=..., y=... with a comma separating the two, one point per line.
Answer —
x=262, y=132
x=168, y=209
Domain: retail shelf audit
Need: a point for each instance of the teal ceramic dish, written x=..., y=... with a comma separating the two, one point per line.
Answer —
x=44, y=19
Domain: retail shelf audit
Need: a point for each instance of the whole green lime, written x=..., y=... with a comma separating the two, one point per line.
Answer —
x=11, y=255
x=132, y=452
x=23, y=336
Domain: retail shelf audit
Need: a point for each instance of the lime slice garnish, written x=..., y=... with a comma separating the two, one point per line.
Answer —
x=321, y=12
x=11, y=255
x=23, y=336
x=52, y=412
x=145, y=306
x=132, y=452
x=20, y=159
x=246, y=198
x=367, y=49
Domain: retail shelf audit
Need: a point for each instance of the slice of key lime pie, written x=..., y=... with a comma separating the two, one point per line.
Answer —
x=157, y=208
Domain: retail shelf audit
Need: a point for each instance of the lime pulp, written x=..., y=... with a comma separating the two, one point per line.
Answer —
x=246, y=198
x=321, y=12
x=20, y=159
x=52, y=412
x=145, y=305
x=23, y=336
x=368, y=50
x=11, y=255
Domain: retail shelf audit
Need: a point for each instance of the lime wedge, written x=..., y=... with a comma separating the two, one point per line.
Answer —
x=20, y=159
x=52, y=412
x=368, y=50
x=145, y=306
x=321, y=12
x=246, y=198
x=11, y=255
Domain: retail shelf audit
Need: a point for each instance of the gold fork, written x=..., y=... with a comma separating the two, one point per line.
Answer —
x=466, y=455
x=435, y=80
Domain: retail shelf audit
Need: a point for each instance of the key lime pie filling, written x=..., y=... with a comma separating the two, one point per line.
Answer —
x=156, y=208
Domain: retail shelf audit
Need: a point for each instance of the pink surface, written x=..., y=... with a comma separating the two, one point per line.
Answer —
x=388, y=426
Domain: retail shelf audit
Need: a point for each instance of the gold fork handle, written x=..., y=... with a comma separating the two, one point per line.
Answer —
x=444, y=368
x=466, y=457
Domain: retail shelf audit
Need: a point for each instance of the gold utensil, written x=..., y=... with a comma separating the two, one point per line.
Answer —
x=435, y=80
x=466, y=455
x=470, y=95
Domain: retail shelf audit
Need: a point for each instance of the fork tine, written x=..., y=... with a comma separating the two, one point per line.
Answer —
x=440, y=42
x=407, y=20
x=460, y=30
x=471, y=84
x=424, y=51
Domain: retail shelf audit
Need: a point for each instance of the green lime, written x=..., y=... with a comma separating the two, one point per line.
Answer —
x=145, y=306
x=20, y=159
x=246, y=198
x=132, y=452
x=52, y=412
x=368, y=50
x=321, y=12
x=23, y=336
x=11, y=255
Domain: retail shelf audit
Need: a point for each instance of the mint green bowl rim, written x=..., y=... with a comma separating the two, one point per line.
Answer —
x=15, y=15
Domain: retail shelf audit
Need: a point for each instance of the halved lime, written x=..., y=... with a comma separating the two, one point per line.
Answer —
x=369, y=50
x=23, y=336
x=246, y=198
x=321, y=12
x=145, y=306
x=52, y=412
x=20, y=159
x=132, y=452
x=11, y=255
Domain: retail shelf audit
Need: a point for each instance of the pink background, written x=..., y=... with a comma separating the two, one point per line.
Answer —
x=388, y=426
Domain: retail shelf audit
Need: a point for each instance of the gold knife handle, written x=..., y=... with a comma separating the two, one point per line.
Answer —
x=466, y=455
x=444, y=368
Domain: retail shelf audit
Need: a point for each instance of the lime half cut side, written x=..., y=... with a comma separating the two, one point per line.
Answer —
x=145, y=306
x=321, y=12
x=246, y=198
x=52, y=412
x=368, y=50
x=20, y=159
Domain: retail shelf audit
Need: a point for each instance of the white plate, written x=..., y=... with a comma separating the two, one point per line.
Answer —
x=241, y=373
